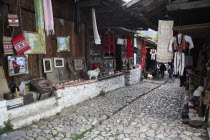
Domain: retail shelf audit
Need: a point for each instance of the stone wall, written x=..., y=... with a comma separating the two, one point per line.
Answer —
x=69, y=96
x=133, y=76
x=73, y=95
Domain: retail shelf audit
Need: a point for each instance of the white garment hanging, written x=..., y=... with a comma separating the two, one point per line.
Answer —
x=179, y=63
x=95, y=29
x=153, y=53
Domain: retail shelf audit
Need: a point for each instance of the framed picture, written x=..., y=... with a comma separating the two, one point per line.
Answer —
x=37, y=43
x=17, y=65
x=63, y=44
x=78, y=64
x=47, y=64
x=59, y=62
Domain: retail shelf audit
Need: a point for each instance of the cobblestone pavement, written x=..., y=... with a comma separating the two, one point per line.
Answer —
x=143, y=111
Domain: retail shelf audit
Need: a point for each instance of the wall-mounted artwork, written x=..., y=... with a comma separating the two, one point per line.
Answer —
x=36, y=41
x=63, y=44
x=47, y=64
x=17, y=65
x=59, y=62
x=78, y=64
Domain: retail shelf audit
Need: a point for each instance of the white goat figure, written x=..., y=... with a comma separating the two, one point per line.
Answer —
x=93, y=73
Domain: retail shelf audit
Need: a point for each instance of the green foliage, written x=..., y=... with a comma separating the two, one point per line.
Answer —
x=102, y=93
x=77, y=137
x=8, y=127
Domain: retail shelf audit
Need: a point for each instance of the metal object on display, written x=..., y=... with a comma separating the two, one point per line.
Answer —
x=9, y=96
x=14, y=103
x=43, y=86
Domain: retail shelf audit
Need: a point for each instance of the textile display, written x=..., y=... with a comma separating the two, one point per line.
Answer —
x=129, y=47
x=180, y=44
x=165, y=32
x=13, y=20
x=135, y=49
x=153, y=53
x=36, y=41
x=120, y=41
x=20, y=44
x=39, y=13
x=77, y=18
x=48, y=17
x=8, y=48
x=109, y=43
x=63, y=44
x=143, y=53
x=95, y=29
x=179, y=63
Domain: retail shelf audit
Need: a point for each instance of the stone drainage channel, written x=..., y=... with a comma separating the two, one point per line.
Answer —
x=93, y=119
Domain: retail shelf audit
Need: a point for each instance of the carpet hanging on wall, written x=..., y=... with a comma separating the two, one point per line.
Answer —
x=165, y=32
x=109, y=43
x=39, y=16
x=129, y=47
x=48, y=17
x=20, y=44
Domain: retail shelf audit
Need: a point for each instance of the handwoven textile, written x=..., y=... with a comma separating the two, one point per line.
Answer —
x=48, y=17
x=109, y=43
x=20, y=44
x=39, y=16
x=129, y=47
x=95, y=29
x=165, y=32
x=8, y=48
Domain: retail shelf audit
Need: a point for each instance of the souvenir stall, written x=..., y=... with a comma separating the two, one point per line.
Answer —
x=44, y=67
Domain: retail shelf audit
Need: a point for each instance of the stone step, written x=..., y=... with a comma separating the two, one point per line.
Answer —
x=33, y=107
x=28, y=119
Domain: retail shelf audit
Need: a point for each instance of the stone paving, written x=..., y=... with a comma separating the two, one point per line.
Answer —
x=144, y=111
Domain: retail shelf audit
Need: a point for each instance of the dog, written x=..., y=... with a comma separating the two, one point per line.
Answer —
x=94, y=73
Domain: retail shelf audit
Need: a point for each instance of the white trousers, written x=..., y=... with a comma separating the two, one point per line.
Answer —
x=179, y=63
x=152, y=56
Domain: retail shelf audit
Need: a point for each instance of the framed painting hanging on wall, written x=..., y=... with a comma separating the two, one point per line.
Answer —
x=37, y=43
x=63, y=44
x=47, y=64
x=59, y=62
x=17, y=65
x=78, y=64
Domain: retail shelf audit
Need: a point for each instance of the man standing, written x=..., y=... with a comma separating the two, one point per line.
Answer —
x=162, y=69
x=16, y=66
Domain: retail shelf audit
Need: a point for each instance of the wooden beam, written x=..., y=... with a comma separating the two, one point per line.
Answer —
x=188, y=5
x=89, y=3
x=190, y=27
x=131, y=3
x=180, y=1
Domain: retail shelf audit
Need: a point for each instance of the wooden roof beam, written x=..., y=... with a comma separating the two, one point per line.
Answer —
x=188, y=5
x=89, y=3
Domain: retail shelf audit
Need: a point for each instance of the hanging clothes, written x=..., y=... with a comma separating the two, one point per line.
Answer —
x=165, y=32
x=144, y=54
x=48, y=17
x=39, y=14
x=153, y=53
x=180, y=44
x=95, y=29
x=109, y=43
x=129, y=47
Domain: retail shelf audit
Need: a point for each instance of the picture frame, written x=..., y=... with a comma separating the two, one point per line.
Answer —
x=58, y=62
x=17, y=65
x=63, y=43
x=47, y=64
x=78, y=64
x=36, y=41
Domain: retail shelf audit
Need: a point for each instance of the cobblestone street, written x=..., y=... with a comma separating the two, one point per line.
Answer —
x=145, y=111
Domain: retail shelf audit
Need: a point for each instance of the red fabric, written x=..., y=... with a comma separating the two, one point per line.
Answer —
x=142, y=63
x=109, y=43
x=143, y=49
x=20, y=44
x=94, y=66
x=129, y=47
